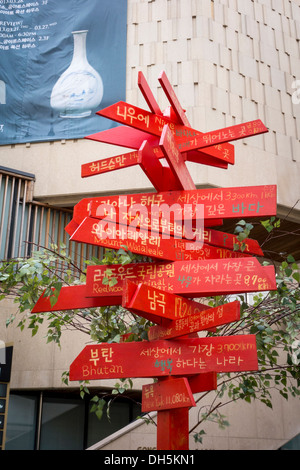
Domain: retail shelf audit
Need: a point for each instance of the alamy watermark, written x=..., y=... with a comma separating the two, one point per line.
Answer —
x=296, y=94
x=123, y=220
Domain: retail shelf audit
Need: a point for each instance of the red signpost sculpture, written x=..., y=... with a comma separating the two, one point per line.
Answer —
x=192, y=263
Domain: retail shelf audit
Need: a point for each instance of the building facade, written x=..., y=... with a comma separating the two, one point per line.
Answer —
x=229, y=62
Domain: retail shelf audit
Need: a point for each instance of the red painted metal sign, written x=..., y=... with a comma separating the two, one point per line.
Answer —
x=204, y=320
x=129, y=159
x=187, y=278
x=179, y=357
x=235, y=202
x=173, y=228
x=74, y=297
x=198, y=322
x=153, y=124
x=105, y=165
x=166, y=395
x=175, y=160
x=126, y=160
x=162, y=306
x=176, y=106
x=161, y=176
x=124, y=136
x=188, y=315
x=110, y=235
x=203, y=382
x=167, y=226
x=148, y=95
x=237, y=132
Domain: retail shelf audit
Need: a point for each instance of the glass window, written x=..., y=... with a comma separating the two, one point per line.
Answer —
x=121, y=414
x=62, y=424
x=99, y=429
x=3, y=389
x=21, y=422
x=293, y=444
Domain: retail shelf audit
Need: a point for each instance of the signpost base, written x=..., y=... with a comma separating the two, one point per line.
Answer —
x=173, y=429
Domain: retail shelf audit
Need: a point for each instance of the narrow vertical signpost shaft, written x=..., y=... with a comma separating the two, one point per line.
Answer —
x=189, y=260
x=173, y=429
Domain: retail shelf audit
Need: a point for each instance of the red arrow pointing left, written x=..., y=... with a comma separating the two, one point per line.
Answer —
x=166, y=357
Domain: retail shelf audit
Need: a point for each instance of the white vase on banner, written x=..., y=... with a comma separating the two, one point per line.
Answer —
x=80, y=88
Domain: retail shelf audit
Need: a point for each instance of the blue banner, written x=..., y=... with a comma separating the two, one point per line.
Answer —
x=61, y=61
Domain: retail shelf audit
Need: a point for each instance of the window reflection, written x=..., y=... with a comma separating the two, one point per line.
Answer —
x=62, y=424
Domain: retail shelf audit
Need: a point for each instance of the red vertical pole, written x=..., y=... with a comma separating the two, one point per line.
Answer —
x=173, y=429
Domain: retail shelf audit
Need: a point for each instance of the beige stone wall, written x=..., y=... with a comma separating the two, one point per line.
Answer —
x=252, y=427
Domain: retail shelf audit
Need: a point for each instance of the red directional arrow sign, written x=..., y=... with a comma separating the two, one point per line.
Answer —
x=168, y=89
x=237, y=132
x=162, y=358
x=74, y=297
x=204, y=320
x=148, y=95
x=209, y=236
x=162, y=223
x=165, y=306
x=186, y=137
x=114, y=236
x=235, y=202
x=129, y=159
x=105, y=165
x=175, y=159
x=188, y=315
x=187, y=278
x=124, y=136
x=153, y=124
x=166, y=395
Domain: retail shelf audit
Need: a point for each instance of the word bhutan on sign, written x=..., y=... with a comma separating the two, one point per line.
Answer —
x=165, y=357
x=190, y=259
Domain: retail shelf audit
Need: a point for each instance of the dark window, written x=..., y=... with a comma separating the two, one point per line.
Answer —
x=62, y=421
